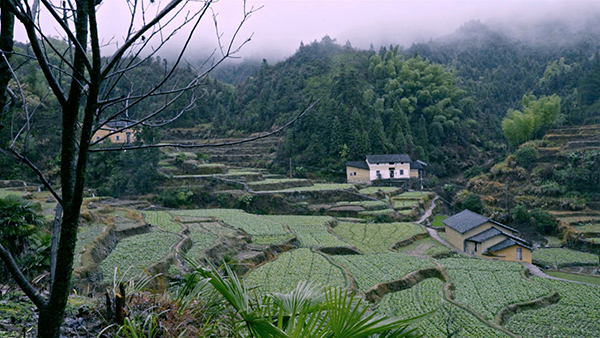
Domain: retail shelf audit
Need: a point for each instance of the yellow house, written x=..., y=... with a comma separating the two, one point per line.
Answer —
x=384, y=167
x=122, y=136
x=480, y=236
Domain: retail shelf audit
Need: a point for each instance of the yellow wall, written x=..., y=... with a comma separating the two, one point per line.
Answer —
x=482, y=247
x=510, y=254
x=492, y=241
x=454, y=238
x=362, y=175
x=122, y=136
x=414, y=173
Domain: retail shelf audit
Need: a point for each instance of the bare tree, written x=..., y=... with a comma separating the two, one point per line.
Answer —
x=84, y=83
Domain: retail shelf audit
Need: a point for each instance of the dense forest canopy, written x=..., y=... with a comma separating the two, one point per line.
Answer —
x=441, y=101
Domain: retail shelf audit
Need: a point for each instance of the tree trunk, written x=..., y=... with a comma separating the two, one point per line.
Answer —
x=7, y=23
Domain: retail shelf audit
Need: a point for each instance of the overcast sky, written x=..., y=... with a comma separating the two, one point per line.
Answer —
x=280, y=25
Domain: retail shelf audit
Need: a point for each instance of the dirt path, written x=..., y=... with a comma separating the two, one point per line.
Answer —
x=428, y=211
x=432, y=232
x=536, y=271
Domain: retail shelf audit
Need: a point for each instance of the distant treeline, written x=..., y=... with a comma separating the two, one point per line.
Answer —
x=441, y=102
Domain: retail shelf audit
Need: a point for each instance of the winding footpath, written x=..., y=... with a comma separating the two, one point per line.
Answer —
x=432, y=232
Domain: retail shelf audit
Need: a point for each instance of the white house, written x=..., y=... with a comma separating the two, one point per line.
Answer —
x=384, y=167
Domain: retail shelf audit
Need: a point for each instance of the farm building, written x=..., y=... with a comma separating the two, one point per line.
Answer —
x=397, y=167
x=117, y=131
x=480, y=236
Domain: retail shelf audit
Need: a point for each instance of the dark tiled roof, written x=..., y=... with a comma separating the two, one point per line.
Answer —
x=358, y=164
x=416, y=165
x=393, y=158
x=507, y=243
x=465, y=221
x=484, y=235
x=118, y=124
x=505, y=226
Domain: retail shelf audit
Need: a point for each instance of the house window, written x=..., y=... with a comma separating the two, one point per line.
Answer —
x=519, y=254
x=401, y=172
x=391, y=172
x=378, y=173
x=475, y=247
x=391, y=163
x=355, y=173
x=97, y=138
x=117, y=138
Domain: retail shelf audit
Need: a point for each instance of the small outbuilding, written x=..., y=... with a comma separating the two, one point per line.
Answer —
x=478, y=235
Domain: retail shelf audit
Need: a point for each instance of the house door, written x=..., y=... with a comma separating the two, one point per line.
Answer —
x=391, y=172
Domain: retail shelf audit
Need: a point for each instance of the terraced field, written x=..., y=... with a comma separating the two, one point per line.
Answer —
x=134, y=254
x=483, y=287
x=162, y=219
x=311, y=231
x=377, y=237
x=201, y=238
x=369, y=270
x=577, y=314
x=6, y=192
x=443, y=320
x=284, y=273
x=262, y=230
x=558, y=257
x=489, y=286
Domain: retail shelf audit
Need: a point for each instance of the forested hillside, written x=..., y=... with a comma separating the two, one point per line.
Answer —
x=441, y=102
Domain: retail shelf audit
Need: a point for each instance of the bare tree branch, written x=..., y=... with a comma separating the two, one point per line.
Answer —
x=38, y=172
x=205, y=145
x=146, y=41
x=27, y=117
x=24, y=284
x=37, y=50
x=119, y=53
x=166, y=77
x=63, y=25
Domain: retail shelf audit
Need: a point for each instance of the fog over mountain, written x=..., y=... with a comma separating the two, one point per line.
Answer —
x=278, y=27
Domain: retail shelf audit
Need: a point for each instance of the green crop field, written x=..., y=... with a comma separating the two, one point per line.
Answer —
x=162, y=219
x=311, y=231
x=414, y=194
x=426, y=297
x=4, y=193
x=371, y=269
x=85, y=235
x=437, y=221
x=261, y=229
x=558, y=257
x=133, y=254
x=202, y=239
x=577, y=313
x=375, y=213
x=373, y=190
x=425, y=247
x=588, y=227
x=321, y=186
x=278, y=180
x=376, y=237
x=367, y=205
x=404, y=204
x=284, y=273
x=488, y=286
x=574, y=276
